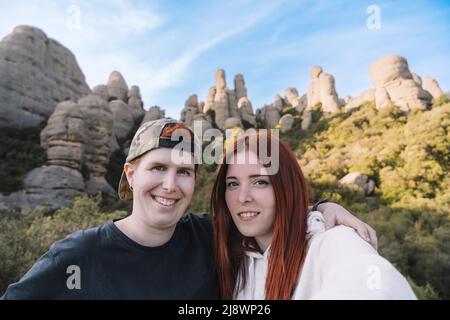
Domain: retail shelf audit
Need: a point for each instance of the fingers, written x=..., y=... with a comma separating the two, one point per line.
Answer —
x=368, y=234
x=373, y=236
x=363, y=232
x=346, y=218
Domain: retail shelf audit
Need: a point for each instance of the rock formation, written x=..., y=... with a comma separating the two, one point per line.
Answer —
x=192, y=114
x=278, y=102
x=202, y=121
x=36, y=73
x=306, y=119
x=117, y=87
x=231, y=123
x=358, y=182
x=125, y=104
x=41, y=80
x=417, y=78
x=292, y=97
x=78, y=142
x=432, y=86
x=102, y=91
x=365, y=96
x=225, y=102
x=239, y=87
x=135, y=102
x=286, y=122
x=246, y=112
x=79, y=139
x=153, y=113
x=268, y=116
x=395, y=85
x=123, y=118
x=322, y=89
x=191, y=108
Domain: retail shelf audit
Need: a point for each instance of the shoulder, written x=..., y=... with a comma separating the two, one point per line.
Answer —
x=197, y=220
x=341, y=240
x=47, y=278
x=198, y=225
x=348, y=266
x=341, y=249
x=77, y=243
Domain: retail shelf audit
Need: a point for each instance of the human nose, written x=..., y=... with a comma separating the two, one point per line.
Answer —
x=169, y=182
x=244, y=194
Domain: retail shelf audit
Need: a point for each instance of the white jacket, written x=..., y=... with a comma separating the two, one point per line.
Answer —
x=338, y=265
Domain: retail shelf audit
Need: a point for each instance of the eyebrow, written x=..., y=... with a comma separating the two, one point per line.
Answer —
x=251, y=176
x=186, y=168
x=155, y=164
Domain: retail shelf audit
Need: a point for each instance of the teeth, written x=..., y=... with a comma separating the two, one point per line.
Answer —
x=164, y=201
x=248, y=214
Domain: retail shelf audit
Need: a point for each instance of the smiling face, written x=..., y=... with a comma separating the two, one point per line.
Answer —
x=162, y=189
x=251, y=200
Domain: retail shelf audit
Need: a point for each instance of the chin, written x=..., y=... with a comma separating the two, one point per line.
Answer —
x=164, y=222
x=162, y=219
x=247, y=233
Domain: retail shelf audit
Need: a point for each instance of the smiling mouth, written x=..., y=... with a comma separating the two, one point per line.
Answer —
x=166, y=202
x=248, y=215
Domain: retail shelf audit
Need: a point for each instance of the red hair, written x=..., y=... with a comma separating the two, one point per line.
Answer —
x=170, y=128
x=288, y=247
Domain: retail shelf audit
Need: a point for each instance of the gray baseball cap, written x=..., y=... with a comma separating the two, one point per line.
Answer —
x=147, y=137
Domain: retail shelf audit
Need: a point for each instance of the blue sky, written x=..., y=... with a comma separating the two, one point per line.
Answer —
x=171, y=49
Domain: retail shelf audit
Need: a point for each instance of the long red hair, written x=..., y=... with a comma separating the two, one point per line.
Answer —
x=288, y=246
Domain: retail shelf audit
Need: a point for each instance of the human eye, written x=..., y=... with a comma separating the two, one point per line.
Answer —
x=185, y=172
x=261, y=182
x=232, y=185
x=158, y=168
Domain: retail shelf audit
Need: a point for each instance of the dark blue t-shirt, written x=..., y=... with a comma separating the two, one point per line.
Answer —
x=103, y=263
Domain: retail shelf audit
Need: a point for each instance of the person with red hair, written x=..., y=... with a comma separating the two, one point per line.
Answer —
x=157, y=252
x=267, y=246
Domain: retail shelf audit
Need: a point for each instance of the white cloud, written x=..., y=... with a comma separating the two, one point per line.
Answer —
x=349, y=49
x=155, y=49
x=176, y=71
x=95, y=32
x=100, y=33
x=117, y=20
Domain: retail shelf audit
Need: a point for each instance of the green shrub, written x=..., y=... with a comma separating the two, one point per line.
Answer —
x=24, y=238
x=444, y=99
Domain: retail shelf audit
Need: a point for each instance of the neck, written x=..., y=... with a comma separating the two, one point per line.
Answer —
x=264, y=242
x=138, y=231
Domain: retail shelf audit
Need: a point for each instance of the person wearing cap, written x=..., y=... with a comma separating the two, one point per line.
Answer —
x=158, y=251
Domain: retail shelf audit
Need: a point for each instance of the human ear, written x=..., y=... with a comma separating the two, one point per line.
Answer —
x=129, y=170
